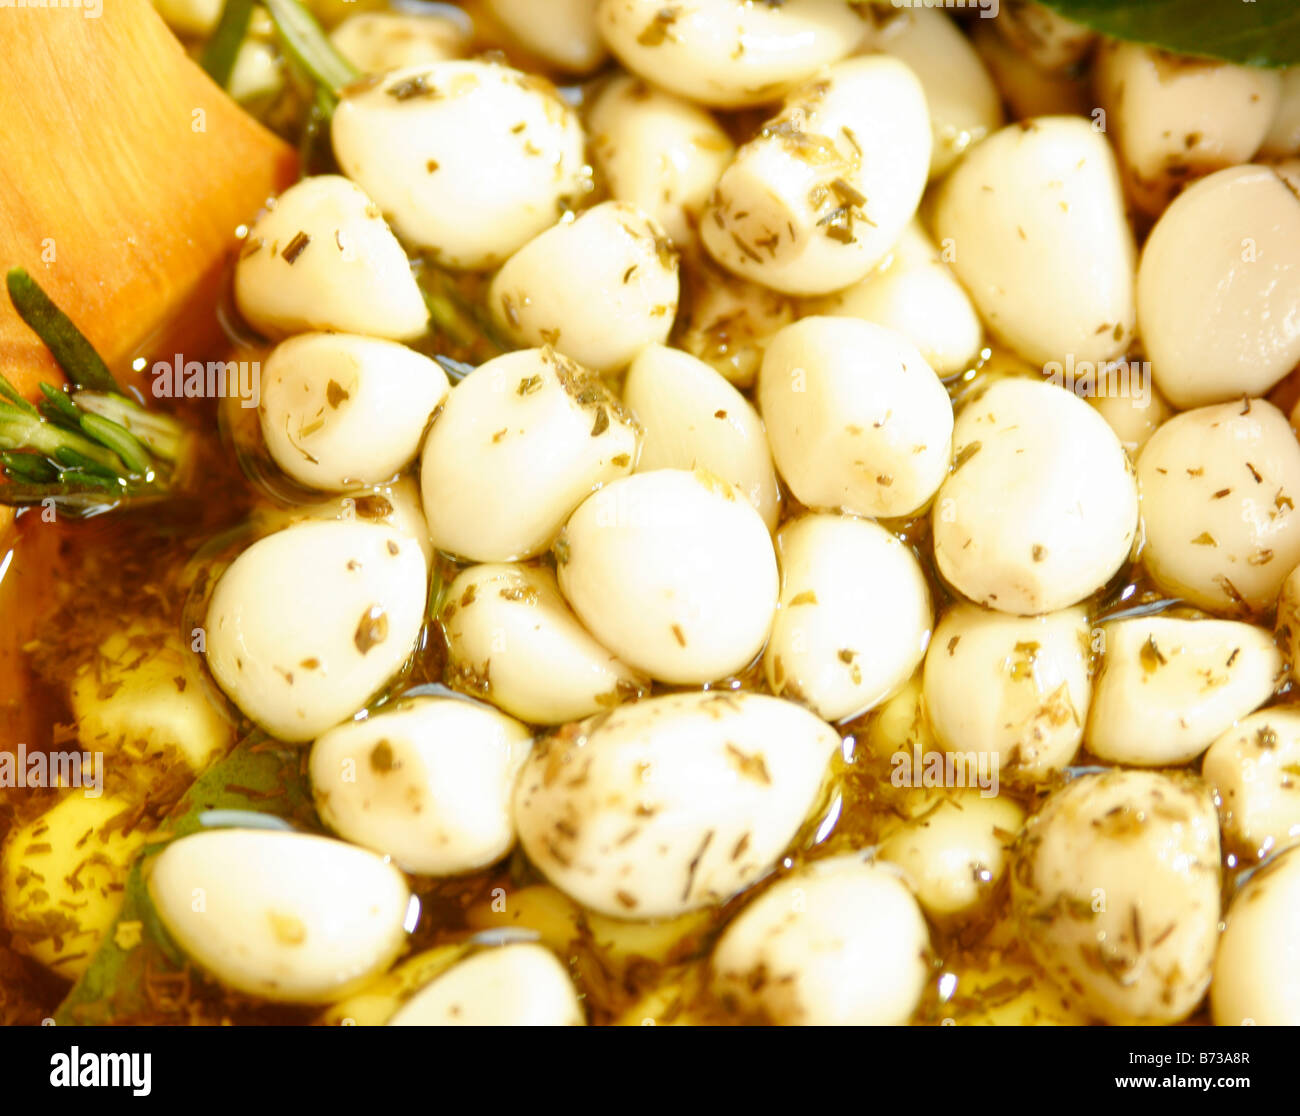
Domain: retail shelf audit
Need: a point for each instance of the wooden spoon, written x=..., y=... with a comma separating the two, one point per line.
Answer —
x=126, y=173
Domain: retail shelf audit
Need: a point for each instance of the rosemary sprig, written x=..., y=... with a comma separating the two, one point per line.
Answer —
x=88, y=448
x=310, y=49
x=221, y=51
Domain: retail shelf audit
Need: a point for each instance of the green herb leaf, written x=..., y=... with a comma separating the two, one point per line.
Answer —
x=84, y=367
x=309, y=47
x=219, y=55
x=1247, y=32
x=123, y=443
x=59, y=409
x=11, y=393
x=261, y=775
x=71, y=459
x=29, y=467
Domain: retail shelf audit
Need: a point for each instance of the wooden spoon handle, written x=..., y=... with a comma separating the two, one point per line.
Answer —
x=126, y=172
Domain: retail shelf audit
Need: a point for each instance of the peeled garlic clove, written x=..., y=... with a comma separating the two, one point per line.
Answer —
x=673, y=571
x=1218, y=286
x=1283, y=137
x=598, y=288
x=1045, y=38
x=258, y=72
x=954, y=854
x=1257, y=973
x=470, y=160
x=817, y=198
x=671, y=804
x=693, y=417
x=1131, y=406
x=728, y=321
x=728, y=55
x=1116, y=889
x=1016, y=687
x=1033, y=221
x=375, y=1002
x=510, y=986
x=1169, y=687
x=964, y=104
x=900, y=727
x=557, y=921
x=1252, y=768
x=341, y=411
x=839, y=943
x=149, y=716
x=321, y=257
x=281, y=916
x=193, y=17
x=512, y=640
x=308, y=623
x=1041, y=507
x=566, y=37
x=426, y=782
x=62, y=875
x=1173, y=119
x=857, y=419
x=519, y=444
x=1027, y=89
x=1287, y=629
x=854, y=617
x=395, y=505
x=659, y=152
x=914, y=293
x=376, y=42
x=1218, y=490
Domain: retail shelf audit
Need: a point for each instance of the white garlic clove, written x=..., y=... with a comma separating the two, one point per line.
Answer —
x=321, y=257
x=310, y=622
x=281, y=916
x=671, y=804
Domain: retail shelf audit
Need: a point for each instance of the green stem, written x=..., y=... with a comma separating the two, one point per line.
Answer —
x=309, y=47
x=222, y=50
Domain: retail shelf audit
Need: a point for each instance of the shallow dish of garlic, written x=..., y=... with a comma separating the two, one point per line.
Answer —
x=733, y=513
